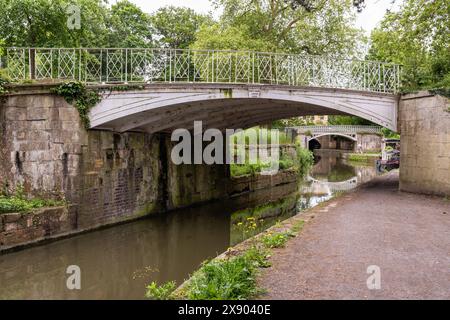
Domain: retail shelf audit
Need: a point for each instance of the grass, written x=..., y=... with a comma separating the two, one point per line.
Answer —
x=228, y=279
x=277, y=240
x=232, y=277
x=363, y=157
x=239, y=170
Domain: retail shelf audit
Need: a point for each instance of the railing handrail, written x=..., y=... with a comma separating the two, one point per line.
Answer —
x=337, y=128
x=329, y=56
x=123, y=65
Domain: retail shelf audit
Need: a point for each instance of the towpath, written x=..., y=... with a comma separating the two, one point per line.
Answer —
x=406, y=235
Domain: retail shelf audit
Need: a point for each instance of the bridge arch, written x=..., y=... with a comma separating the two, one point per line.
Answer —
x=164, y=107
x=353, y=138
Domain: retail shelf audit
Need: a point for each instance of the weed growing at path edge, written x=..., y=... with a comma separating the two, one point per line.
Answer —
x=231, y=278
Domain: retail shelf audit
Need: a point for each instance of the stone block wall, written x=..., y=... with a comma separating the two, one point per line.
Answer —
x=22, y=228
x=44, y=147
x=369, y=142
x=424, y=122
x=107, y=177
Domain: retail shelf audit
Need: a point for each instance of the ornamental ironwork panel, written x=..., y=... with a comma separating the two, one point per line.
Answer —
x=149, y=65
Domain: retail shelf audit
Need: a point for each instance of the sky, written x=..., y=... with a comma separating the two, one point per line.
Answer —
x=368, y=19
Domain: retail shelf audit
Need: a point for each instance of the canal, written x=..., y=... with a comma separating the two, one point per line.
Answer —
x=118, y=262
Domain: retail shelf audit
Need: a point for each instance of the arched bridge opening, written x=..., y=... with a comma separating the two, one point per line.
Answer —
x=166, y=107
x=333, y=141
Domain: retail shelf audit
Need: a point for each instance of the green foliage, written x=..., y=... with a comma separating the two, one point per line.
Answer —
x=389, y=134
x=43, y=23
x=162, y=292
x=228, y=279
x=305, y=160
x=363, y=157
x=348, y=120
x=128, y=26
x=277, y=240
x=3, y=82
x=418, y=38
x=222, y=37
x=298, y=226
x=83, y=99
x=285, y=164
x=279, y=25
x=239, y=170
x=19, y=203
x=292, y=122
x=176, y=27
x=235, y=277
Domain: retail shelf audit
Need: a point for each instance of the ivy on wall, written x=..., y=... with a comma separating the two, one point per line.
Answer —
x=2, y=86
x=83, y=99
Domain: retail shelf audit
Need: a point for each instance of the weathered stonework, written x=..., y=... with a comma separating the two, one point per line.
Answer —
x=110, y=177
x=425, y=144
x=21, y=228
x=107, y=177
x=253, y=183
x=368, y=142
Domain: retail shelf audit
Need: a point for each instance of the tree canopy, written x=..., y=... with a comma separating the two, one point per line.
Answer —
x=418, y=37
x=293, y=26
x=43, y=23
x=176, y=27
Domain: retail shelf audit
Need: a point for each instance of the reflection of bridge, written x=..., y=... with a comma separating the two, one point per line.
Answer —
x=224, y=89
x=334, y=186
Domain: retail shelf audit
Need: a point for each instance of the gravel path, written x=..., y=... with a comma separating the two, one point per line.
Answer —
x=406, y=235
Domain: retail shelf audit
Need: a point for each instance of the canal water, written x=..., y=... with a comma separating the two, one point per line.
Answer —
x=118, y=262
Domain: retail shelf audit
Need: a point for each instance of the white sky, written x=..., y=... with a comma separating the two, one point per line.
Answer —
x=368, y=19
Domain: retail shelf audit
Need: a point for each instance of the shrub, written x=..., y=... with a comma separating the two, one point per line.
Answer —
x=161, y=292
x=286, y=164
x=305, y=159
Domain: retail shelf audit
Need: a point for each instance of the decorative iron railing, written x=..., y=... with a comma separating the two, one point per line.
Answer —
x=349, y=129
x=117, y=65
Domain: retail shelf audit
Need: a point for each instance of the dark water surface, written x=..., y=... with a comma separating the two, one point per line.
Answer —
x=118, y=262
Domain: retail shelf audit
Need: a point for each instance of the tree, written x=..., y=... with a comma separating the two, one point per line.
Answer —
x=418, y=38
x=348, y=120
x=129, y=26
x=176, y=27
x=311, y=26
x=43, y=23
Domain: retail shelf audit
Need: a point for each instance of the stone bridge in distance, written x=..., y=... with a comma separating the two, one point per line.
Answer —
x=224, y=89
x=365, y=138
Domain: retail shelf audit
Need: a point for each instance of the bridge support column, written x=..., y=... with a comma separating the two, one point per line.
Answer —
x=424, y=122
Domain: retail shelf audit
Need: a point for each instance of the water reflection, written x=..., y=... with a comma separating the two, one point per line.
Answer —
x=118, y=262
